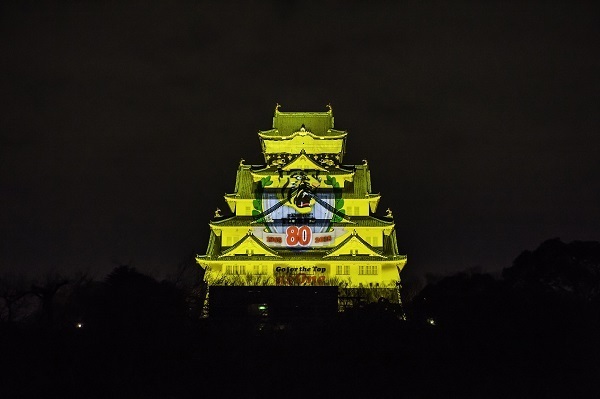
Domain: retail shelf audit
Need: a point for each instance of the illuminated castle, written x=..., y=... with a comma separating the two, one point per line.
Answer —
x=304, y=217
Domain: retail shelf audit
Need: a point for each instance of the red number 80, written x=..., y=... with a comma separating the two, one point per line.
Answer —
x=298, y=236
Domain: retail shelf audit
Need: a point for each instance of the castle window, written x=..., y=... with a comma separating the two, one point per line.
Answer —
x=343, y=270
x=235, y=269
x=368, y=270
x=260, y=269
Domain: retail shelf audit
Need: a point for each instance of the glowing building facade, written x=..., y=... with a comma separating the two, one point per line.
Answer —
x=304, y=217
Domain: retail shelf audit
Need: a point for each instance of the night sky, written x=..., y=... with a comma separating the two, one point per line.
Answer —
x=123, y=123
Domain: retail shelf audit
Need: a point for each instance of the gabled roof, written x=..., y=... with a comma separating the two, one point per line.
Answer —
x=390, y=247
x=243, y=183
x=354, y=245
x=315, y=124
x=213, y=249
x=303, y=162
x=249, y=245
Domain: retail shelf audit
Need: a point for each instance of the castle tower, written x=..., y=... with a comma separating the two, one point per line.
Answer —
x=304, y=217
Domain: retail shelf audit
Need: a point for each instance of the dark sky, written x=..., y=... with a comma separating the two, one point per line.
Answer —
x=123, y=123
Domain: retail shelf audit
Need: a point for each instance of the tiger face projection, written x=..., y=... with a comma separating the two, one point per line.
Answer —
x=300, y=211
x=300, y=190
x=303, y=199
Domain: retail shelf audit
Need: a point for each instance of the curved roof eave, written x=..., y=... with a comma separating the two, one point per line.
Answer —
x=273, y=134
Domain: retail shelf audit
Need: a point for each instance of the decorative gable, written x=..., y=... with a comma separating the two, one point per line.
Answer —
x=249, y=246
x=352, y=246
x=303, y=162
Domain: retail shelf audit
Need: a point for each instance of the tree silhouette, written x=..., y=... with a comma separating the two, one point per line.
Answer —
x=137, y=303
x=46, y=292
x=190, y=279
x=463, y=300
x=555, y=267
x=13, y=290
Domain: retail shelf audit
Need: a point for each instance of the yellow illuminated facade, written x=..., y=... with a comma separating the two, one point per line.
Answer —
x=304, y=217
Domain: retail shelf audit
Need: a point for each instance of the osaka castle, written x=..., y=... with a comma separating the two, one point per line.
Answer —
x=304, y=217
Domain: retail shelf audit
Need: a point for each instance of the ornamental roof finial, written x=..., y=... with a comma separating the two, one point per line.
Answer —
x=329, y=106
x=277, y=106
x=242, y=161
x=218, y=213
x=389, y=213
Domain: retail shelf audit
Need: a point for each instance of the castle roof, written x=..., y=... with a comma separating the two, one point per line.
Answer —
x=262, y=253
x=355, y=221
x=287, y=123
x=360, y=188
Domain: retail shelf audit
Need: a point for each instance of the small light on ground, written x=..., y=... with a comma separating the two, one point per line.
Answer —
x=79, y=325
x=431, y=321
